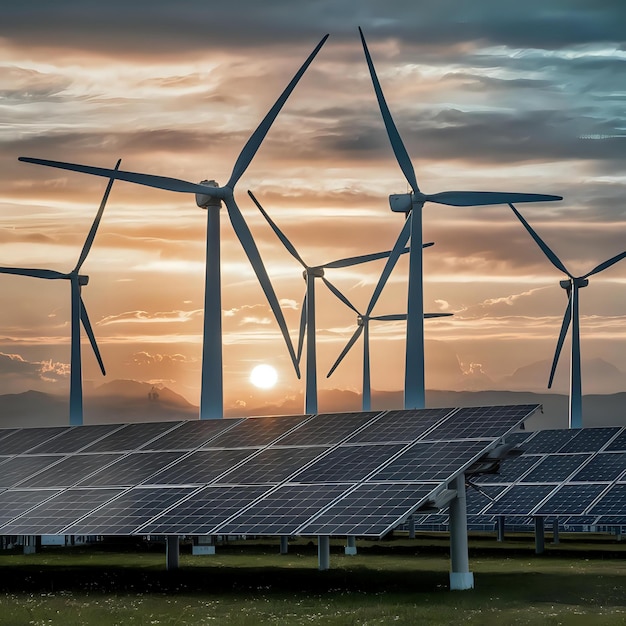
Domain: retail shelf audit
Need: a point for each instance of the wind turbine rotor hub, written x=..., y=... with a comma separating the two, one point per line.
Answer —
x=206, y=201
x=359, y=320
x=317, y=272
x=83, y=280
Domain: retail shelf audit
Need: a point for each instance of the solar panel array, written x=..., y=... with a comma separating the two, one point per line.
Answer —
x=330, y=474
x=577, y=475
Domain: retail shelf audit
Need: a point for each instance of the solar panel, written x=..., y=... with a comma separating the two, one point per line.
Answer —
x=347, y=463
x=589, y=439
x=24, y=439
x=480, y=422
x=618, y=444
x=272, y=465
x=328, y=428
x=256, y=431
x=130, y=437
x=605, y=466
x=519, y=500
x=613, y=502
x=190, y=435
x=74, y=439
x=202, y=466
x=203, y=511
x=477, y=499
x=131, y=469
x=555, y=468
x=52, y=516
x=69, y=470
x=283, y=510
x=511, y=470
x=434, y=462
x=399, y=426
x=371, y=509
x=132, y=509
x=570, y=500
x=14, y=502
x=18, y=468
x=547, y=441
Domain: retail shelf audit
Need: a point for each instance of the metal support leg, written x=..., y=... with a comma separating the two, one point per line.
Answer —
x=172, y=552
x=284, y=545
x=460, y=575
x=555, y=531
x=30, y=544
x=539, y=535
x=412, y=527
x=500, y=527
x=350, y=545
x=323, y=552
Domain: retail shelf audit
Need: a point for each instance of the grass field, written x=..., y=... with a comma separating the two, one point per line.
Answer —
x=399, y=581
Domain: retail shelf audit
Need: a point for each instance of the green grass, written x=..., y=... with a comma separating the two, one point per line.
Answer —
x=248, y=583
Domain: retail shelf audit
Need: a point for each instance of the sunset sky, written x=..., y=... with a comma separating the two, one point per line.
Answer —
x=490, y=95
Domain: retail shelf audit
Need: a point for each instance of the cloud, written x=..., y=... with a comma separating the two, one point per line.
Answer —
x=143, y=317
x=18, y=374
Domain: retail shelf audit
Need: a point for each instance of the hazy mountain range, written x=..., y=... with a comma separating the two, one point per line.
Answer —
x=132, y=401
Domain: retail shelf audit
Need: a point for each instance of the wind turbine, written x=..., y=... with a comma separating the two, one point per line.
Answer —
x=571, y=285
x=363, y=320
x=411, y=204
x=210, y=196
x=78, y=311
x=307, y=317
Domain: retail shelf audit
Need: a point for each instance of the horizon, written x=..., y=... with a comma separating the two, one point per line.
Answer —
x=493, y=98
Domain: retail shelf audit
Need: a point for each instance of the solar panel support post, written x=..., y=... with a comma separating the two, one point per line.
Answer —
x=323, y=552
x=500, y=527
x=555, y=531
x=350, y=548
x=310, y=395
x=172, y=552
x=460, y=576
x=540, y=541
x=412, y=527
x=30, y=544
x=284, y=544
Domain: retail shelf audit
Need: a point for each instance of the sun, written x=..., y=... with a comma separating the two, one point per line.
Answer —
x=263, y=376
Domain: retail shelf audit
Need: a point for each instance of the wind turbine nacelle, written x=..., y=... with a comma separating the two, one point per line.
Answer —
x=400, y=202
x=204, y=202
x=83, y=280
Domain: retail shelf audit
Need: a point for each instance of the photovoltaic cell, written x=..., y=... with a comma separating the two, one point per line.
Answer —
x=548, y=441
x=434, y=462
x=21, y=467
x=347, y=463
x=202, y=466
x=589, y=440
x=399, y=426
x=203, y=511
x=26, y=438
x=131, y=469
x=605, y=466
x=570, y=500
x=283, y=510
x=129, y=437
x=613, y=502
x=69, y=470
x=519, y=500
x=611, y=520
x=369, y=510
x=477, y=500
x=511, y=470
x=327, y=428
x=555, y=468
x=132, y=509
x=480, y=422
x=52, y=516
x=190, y=435
x=256, y=431
x=14, y=502
x=618, y=444
x=74, y=439
x=272, y=465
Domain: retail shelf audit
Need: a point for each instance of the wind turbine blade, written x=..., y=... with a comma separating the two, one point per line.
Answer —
x=541, y=243
x=33, y=273
x=245, y=237
x=395, y=317
x=402, y=156
x=605, y=265
x=279, y=233
x=484, y=198
x=252, y=145
x=559, y=344
x=428, y=245
x=430, y=316
x=355, y=336
x=302, y=327
x=94, y=227
x=148, y=180
x=357, y=260
x=391, y=263
x=84, y=318
x=339, y=295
